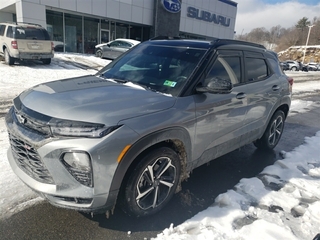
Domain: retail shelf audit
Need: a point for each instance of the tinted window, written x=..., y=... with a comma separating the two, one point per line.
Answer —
x=2, y=28
x=30, y=33
x=226, y=68
x=125, y=44
x=115, y=44
x=256, y=69
x=275, y=66
x=120, y=44
x=9, y=32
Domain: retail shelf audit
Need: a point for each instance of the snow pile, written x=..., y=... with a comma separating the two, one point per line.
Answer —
x=283, y=202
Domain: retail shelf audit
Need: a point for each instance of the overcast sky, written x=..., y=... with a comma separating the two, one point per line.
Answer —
x=268, y=13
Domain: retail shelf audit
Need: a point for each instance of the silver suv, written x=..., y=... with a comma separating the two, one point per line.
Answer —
x=25, y=41
x=133, y=132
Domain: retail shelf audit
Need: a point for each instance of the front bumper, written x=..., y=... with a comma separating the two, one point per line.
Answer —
x=42, y=170
x=69, y=194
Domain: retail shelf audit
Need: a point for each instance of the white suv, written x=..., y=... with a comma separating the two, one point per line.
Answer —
x=25, y=41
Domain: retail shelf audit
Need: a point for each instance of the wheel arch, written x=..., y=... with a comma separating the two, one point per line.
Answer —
x=176, y=138
x=4, y=46
x=284, y=108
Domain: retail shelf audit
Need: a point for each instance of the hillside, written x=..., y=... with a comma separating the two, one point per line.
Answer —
x=296, y=53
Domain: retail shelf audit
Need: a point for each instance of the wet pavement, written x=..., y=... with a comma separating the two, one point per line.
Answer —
x=44, y=221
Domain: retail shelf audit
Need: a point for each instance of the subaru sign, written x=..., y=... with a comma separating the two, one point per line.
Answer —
x=207, y=16
x=173, y=6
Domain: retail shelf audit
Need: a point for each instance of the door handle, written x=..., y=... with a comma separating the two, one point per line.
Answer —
x=241, y=95
x=275, y=87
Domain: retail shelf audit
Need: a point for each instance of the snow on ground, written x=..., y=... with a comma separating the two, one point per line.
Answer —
x=282, y=202
x=23, y=75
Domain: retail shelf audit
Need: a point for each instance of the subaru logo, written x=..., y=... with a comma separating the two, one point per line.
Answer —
x=173, y=6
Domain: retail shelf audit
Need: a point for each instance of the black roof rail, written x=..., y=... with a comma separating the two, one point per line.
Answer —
x=28, y=23
x=164, y=38
x=230, y=41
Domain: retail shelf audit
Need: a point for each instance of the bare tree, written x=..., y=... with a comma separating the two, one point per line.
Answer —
x=279, y=38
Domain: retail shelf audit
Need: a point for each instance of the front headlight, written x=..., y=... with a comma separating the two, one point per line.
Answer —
x=79, y=129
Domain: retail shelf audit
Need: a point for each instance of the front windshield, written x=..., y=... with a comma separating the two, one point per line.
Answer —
x=164, y=69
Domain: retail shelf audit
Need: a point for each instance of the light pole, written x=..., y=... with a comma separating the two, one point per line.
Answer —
x=304, y=53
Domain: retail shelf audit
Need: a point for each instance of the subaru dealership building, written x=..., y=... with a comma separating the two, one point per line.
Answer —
x=81, y=24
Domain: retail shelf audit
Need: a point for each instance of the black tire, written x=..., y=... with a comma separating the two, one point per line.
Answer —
x=152, y=183
x=7, y=58
x=273, y=132
x=294, y=69
x=46, y=61
x=99, y=53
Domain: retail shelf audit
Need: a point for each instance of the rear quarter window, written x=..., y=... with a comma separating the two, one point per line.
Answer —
x=275, y=65
x=9, y=32
x=256, y=69
x=2, y=28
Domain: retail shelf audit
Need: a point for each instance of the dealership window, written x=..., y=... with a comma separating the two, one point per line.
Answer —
x=122, y=30
x=55, y=29
x=112, y=31
x=145, y=33
x=136, y=32
x=73, y=30
x=75, y=33
x=91, y=26
x=104, y=32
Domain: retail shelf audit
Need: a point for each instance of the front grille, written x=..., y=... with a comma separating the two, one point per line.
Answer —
x=29, y=160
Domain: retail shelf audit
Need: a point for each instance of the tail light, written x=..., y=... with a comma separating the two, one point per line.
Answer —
x=52, y=46
x=14, y=44
x=290, y=80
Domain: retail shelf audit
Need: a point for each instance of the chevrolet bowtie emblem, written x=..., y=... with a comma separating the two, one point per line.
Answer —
x=21, y=119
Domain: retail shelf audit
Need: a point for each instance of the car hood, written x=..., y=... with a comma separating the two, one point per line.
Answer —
x=93, y=99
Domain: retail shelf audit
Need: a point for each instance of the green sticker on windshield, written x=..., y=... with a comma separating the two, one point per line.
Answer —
x=169, y=83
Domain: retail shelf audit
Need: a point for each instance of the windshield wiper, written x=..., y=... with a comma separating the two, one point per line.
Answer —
x=114, y=79
x=118, y=80
x=126, y=81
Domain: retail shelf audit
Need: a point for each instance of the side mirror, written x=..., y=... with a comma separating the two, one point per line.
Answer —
x=216, y=85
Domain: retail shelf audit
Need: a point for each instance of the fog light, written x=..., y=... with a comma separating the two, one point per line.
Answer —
x=79, y=160
x=78, y=165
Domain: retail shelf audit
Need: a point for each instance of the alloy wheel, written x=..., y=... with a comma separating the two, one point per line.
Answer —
x=155, y=183
x=275, y=131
